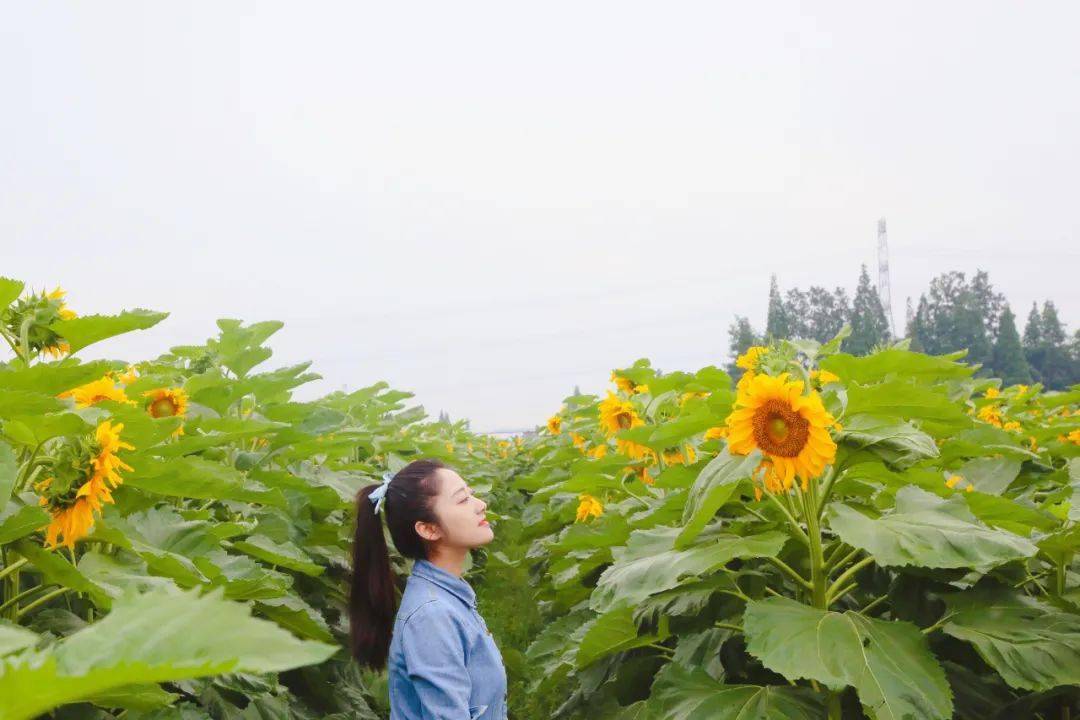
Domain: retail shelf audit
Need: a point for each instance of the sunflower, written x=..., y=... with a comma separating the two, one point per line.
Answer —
x=554, y=425
x=716, y=433
x=578, y=440
x=598, y=452
x=166, y=402
x=1011, y=426
x=635, y=451
x=641, y=388
x=823, y=377
x=617, y=414
x=96, y=467
x=678, y=456
x=990, y=414
x=791, y=429
x=449, y=447
x=623, y=383
x=642, y=472
x=588, y=505
x=94, y=392
x=749, y=359
x=691, y=395
x=992, y=392
x=57, y=351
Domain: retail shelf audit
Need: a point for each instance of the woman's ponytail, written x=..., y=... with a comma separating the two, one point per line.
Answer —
x=372, y=592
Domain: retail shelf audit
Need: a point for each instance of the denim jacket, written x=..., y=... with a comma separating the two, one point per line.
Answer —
x=443, y=663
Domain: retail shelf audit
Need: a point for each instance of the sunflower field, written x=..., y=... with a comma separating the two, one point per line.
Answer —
x=824, y=536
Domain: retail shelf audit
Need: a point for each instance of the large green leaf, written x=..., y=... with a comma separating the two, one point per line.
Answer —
x=888, y=663
x=9, y=470
x=19, y=521
x=27, y=402
x=990, y=475
x=904, y=400
x=715, y=485
x=89, y=329
x=9, y=291
x=681, y=693
x=52, y=379
x=895, y=363
x=192, y=636
x=195, y=477
x=927, y=531
x=31, y=430
x=55, y=568
x=897, y=442
x=650, y=563
x=612, y=632
x=1031, y=645
x=285, y=554
x=14, y=637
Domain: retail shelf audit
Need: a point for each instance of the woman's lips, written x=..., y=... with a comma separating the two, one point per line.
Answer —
x=484, y=522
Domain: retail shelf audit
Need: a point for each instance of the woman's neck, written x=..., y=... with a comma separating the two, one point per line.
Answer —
x=452, y=560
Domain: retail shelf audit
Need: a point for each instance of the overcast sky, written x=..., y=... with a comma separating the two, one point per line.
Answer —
x=487, y=204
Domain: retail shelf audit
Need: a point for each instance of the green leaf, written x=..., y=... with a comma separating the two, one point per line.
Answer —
x=650, y=563
x=20, y=521
x=926, y=531
x=888, y=663
x=14, y=637
x=53, y=378
x=612, y=632
x=194, y=477
x=193, y=637
x=904, y=400
x=1031, y=645
x=715, y=485
x=27, y=402
x=54, y=568
x=896, y=364
x=89, y=329
x=897, y=442
x=284, y=554
x=9, y=291
x=990, y=475
x=294, y=614
x=31, y=430
x=681, y=693
x=9, y=470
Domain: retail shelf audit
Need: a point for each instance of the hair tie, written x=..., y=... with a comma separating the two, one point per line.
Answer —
x=379, y=494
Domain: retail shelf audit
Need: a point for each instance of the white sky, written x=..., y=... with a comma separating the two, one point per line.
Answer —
x=486, y=203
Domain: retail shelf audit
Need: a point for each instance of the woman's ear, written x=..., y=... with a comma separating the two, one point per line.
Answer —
x=428, y=531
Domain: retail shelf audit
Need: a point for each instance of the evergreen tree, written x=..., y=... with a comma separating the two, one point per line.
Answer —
x=797, y=313
x=869, y=327
x=776, y=324
x=1056, y=369
x=988, y=302
x=917, y=326
x=741, y=337
x=1009, y=362
x=1033, y=329
x=828, y=312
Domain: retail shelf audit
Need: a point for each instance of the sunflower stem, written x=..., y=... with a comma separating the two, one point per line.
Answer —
x=847, y=575
x=13, y=567
x=790, y=572
x=795, y=528
x=25, y=593
x=41, y=601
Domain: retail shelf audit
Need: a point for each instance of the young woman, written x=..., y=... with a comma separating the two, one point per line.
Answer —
x=443, y=662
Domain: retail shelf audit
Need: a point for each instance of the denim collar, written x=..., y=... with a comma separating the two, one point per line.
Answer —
x=446, y=580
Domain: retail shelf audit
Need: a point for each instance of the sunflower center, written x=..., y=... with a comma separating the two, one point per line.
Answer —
x=163, y=407
x=624, y=420
x=779, y=430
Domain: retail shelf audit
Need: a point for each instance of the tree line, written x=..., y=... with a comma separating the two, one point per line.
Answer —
x=955, y=313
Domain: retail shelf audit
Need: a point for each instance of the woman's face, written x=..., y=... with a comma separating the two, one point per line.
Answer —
x=460, y=512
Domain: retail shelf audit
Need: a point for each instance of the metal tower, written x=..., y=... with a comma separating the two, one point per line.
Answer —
x=883, y=290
